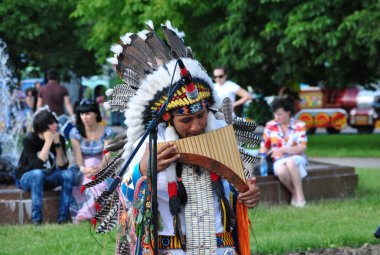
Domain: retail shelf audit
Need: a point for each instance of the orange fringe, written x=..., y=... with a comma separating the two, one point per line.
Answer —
x=243, y=228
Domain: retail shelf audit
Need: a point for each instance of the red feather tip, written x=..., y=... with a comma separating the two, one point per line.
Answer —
x=82, y=189
x=93, y=178
x=93, y=222
x=97, y=206
x=105, y=152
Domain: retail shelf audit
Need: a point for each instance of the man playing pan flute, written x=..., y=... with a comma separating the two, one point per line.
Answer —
x=196, y=214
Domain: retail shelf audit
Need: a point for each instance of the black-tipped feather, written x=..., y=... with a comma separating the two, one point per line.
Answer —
x=247, y=157
x=159, y=48
x=247, y=138
x=176, y=44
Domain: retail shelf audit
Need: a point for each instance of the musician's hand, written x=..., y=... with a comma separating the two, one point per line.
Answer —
x=251, y=197
x=163, y=159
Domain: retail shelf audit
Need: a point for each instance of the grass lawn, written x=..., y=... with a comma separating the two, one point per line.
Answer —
x=325, y=224
x=344, y=145
x=332, y=223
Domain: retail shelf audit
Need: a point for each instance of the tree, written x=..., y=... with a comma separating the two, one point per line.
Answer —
x=268, y=44
x=41, y=33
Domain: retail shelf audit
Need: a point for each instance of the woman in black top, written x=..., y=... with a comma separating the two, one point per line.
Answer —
x=43, y=165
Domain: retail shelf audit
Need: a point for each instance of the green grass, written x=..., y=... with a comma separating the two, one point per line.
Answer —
x=330, y=223
x=325, y=224
x=344, y=145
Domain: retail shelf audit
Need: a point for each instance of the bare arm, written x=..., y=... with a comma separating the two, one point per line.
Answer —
x=244, y=97
x=68, y=105
x=40, y=102
x=77, y=153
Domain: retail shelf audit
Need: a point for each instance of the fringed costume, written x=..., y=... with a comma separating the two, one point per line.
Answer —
x=195, y=212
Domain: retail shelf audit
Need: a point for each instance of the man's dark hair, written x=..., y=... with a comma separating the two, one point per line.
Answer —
x=42, y=120
x=284, y=103
x=52, y=74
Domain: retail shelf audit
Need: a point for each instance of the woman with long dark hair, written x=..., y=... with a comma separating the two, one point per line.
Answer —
x=88, y=139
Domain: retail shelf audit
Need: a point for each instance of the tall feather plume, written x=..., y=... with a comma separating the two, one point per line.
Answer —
x=110, y=221
x=108, y=171
x=123, y=247
x=175, y=41
x=120, y=97
x=104, y=208
x=227, y=110
x=242, y=124
x=159, y=48
x=117, y=143
x=248, y=158
x=247, y=138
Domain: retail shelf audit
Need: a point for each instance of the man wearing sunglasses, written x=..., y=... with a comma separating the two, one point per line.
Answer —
x=226, y=88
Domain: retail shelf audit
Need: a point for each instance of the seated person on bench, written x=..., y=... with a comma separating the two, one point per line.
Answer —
x=285, y=139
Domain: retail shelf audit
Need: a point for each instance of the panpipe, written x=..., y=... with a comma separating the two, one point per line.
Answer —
x=216, y=151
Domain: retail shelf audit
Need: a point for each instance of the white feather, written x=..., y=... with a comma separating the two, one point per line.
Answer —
x=109, y=92
x=142, y=34
x=106, y=105
x=117, y=49
x=112, y=61
x=150, y=24
x=126, y=39
x=180, y=34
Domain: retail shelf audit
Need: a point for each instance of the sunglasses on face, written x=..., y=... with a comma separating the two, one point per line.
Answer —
x=218, y=76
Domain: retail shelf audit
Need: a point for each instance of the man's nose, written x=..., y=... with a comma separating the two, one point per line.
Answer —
x=196, y=126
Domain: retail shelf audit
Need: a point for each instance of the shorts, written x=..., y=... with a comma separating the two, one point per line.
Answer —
x=301, y=162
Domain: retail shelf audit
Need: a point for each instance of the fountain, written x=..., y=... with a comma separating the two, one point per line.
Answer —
x=11, y=117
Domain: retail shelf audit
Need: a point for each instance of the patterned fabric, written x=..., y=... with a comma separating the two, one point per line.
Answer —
x=274, y=137
x=91, y=148
x=171, y=242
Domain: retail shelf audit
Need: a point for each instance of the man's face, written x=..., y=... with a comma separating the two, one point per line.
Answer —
x=190, y=124
x=219, y=76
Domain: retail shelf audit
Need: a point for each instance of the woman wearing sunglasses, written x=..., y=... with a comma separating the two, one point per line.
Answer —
x=227, y=88
x=88, y=139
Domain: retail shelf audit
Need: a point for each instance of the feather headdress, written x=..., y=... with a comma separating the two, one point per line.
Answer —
x=148, y=67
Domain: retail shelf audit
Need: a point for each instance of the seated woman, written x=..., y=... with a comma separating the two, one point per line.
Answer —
x=285, y=138
x=88, y=139
x=43, y=165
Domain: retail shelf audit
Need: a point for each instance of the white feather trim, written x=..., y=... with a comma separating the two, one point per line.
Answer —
x=180, y=34
x=109, y=92
x=112, y=61
x=106, y=105
x=126, y=39
x=142, y=34
x=117, y=49
x=150, y=24
x=153, y=83
x=210, y=122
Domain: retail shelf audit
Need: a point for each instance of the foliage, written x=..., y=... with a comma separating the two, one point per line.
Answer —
x=344, y=145
x=268, y=43
x=41, y=33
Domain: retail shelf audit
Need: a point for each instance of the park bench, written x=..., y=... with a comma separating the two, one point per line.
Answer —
x=324, y=181
x=16, y=205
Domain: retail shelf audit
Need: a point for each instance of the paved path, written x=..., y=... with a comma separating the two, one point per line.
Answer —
x=354, y=162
